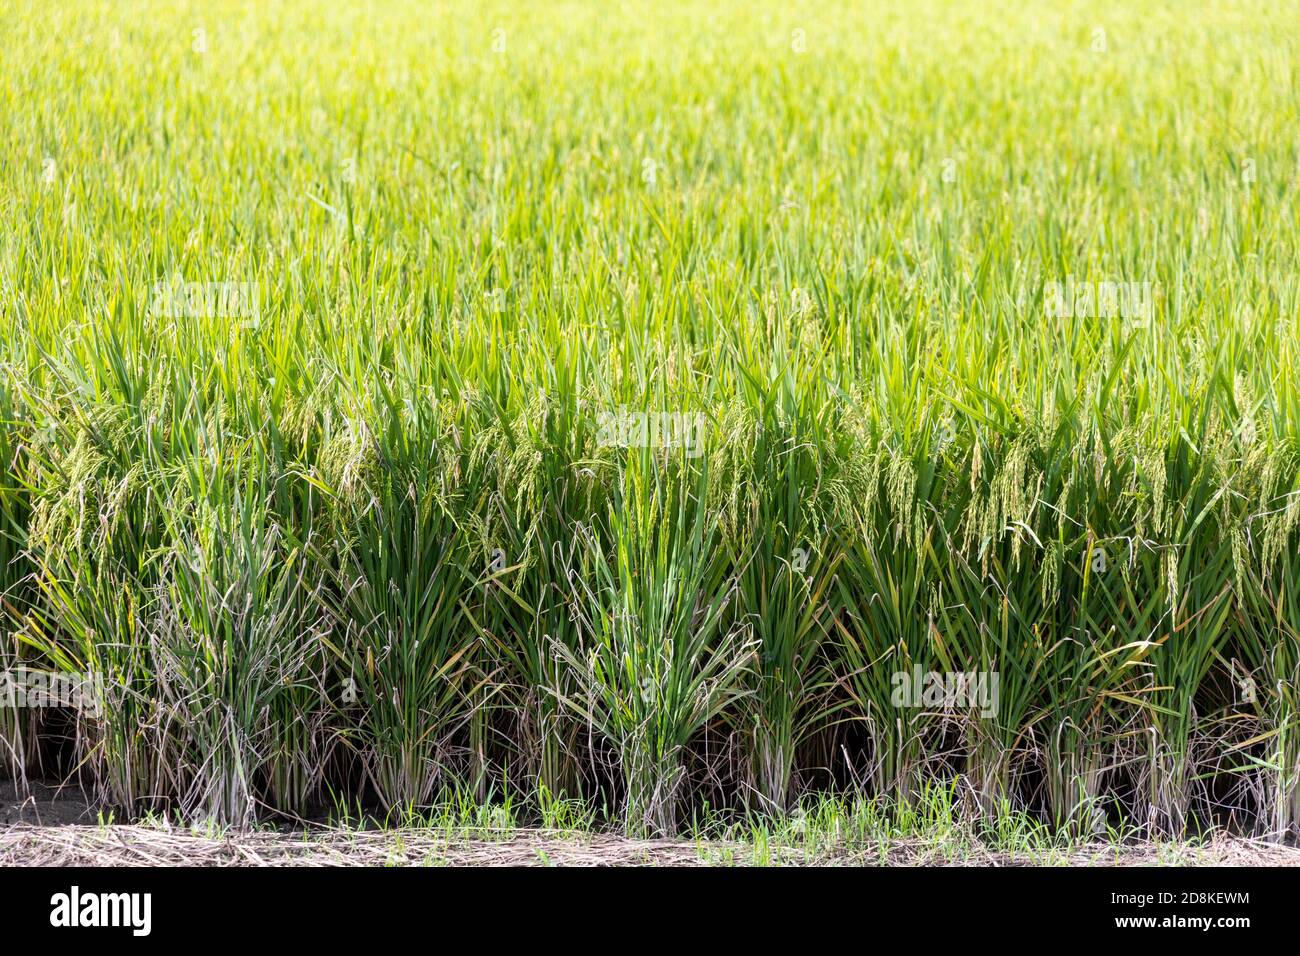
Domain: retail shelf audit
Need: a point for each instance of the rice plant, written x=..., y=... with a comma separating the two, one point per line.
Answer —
x=655, y=408
x=655, y=660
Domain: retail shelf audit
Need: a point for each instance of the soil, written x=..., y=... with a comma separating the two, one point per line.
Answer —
x=49, y=826
x=43, y=805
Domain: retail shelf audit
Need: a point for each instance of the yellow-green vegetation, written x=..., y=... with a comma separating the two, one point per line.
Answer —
x=605, y=403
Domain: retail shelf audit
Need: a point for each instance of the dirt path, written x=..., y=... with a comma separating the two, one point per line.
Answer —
x=48, y=826
x=120, y=845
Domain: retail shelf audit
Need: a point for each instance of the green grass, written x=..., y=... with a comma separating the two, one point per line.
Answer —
x=374, y=544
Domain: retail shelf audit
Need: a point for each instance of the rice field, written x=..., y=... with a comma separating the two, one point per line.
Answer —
x=653, y=411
